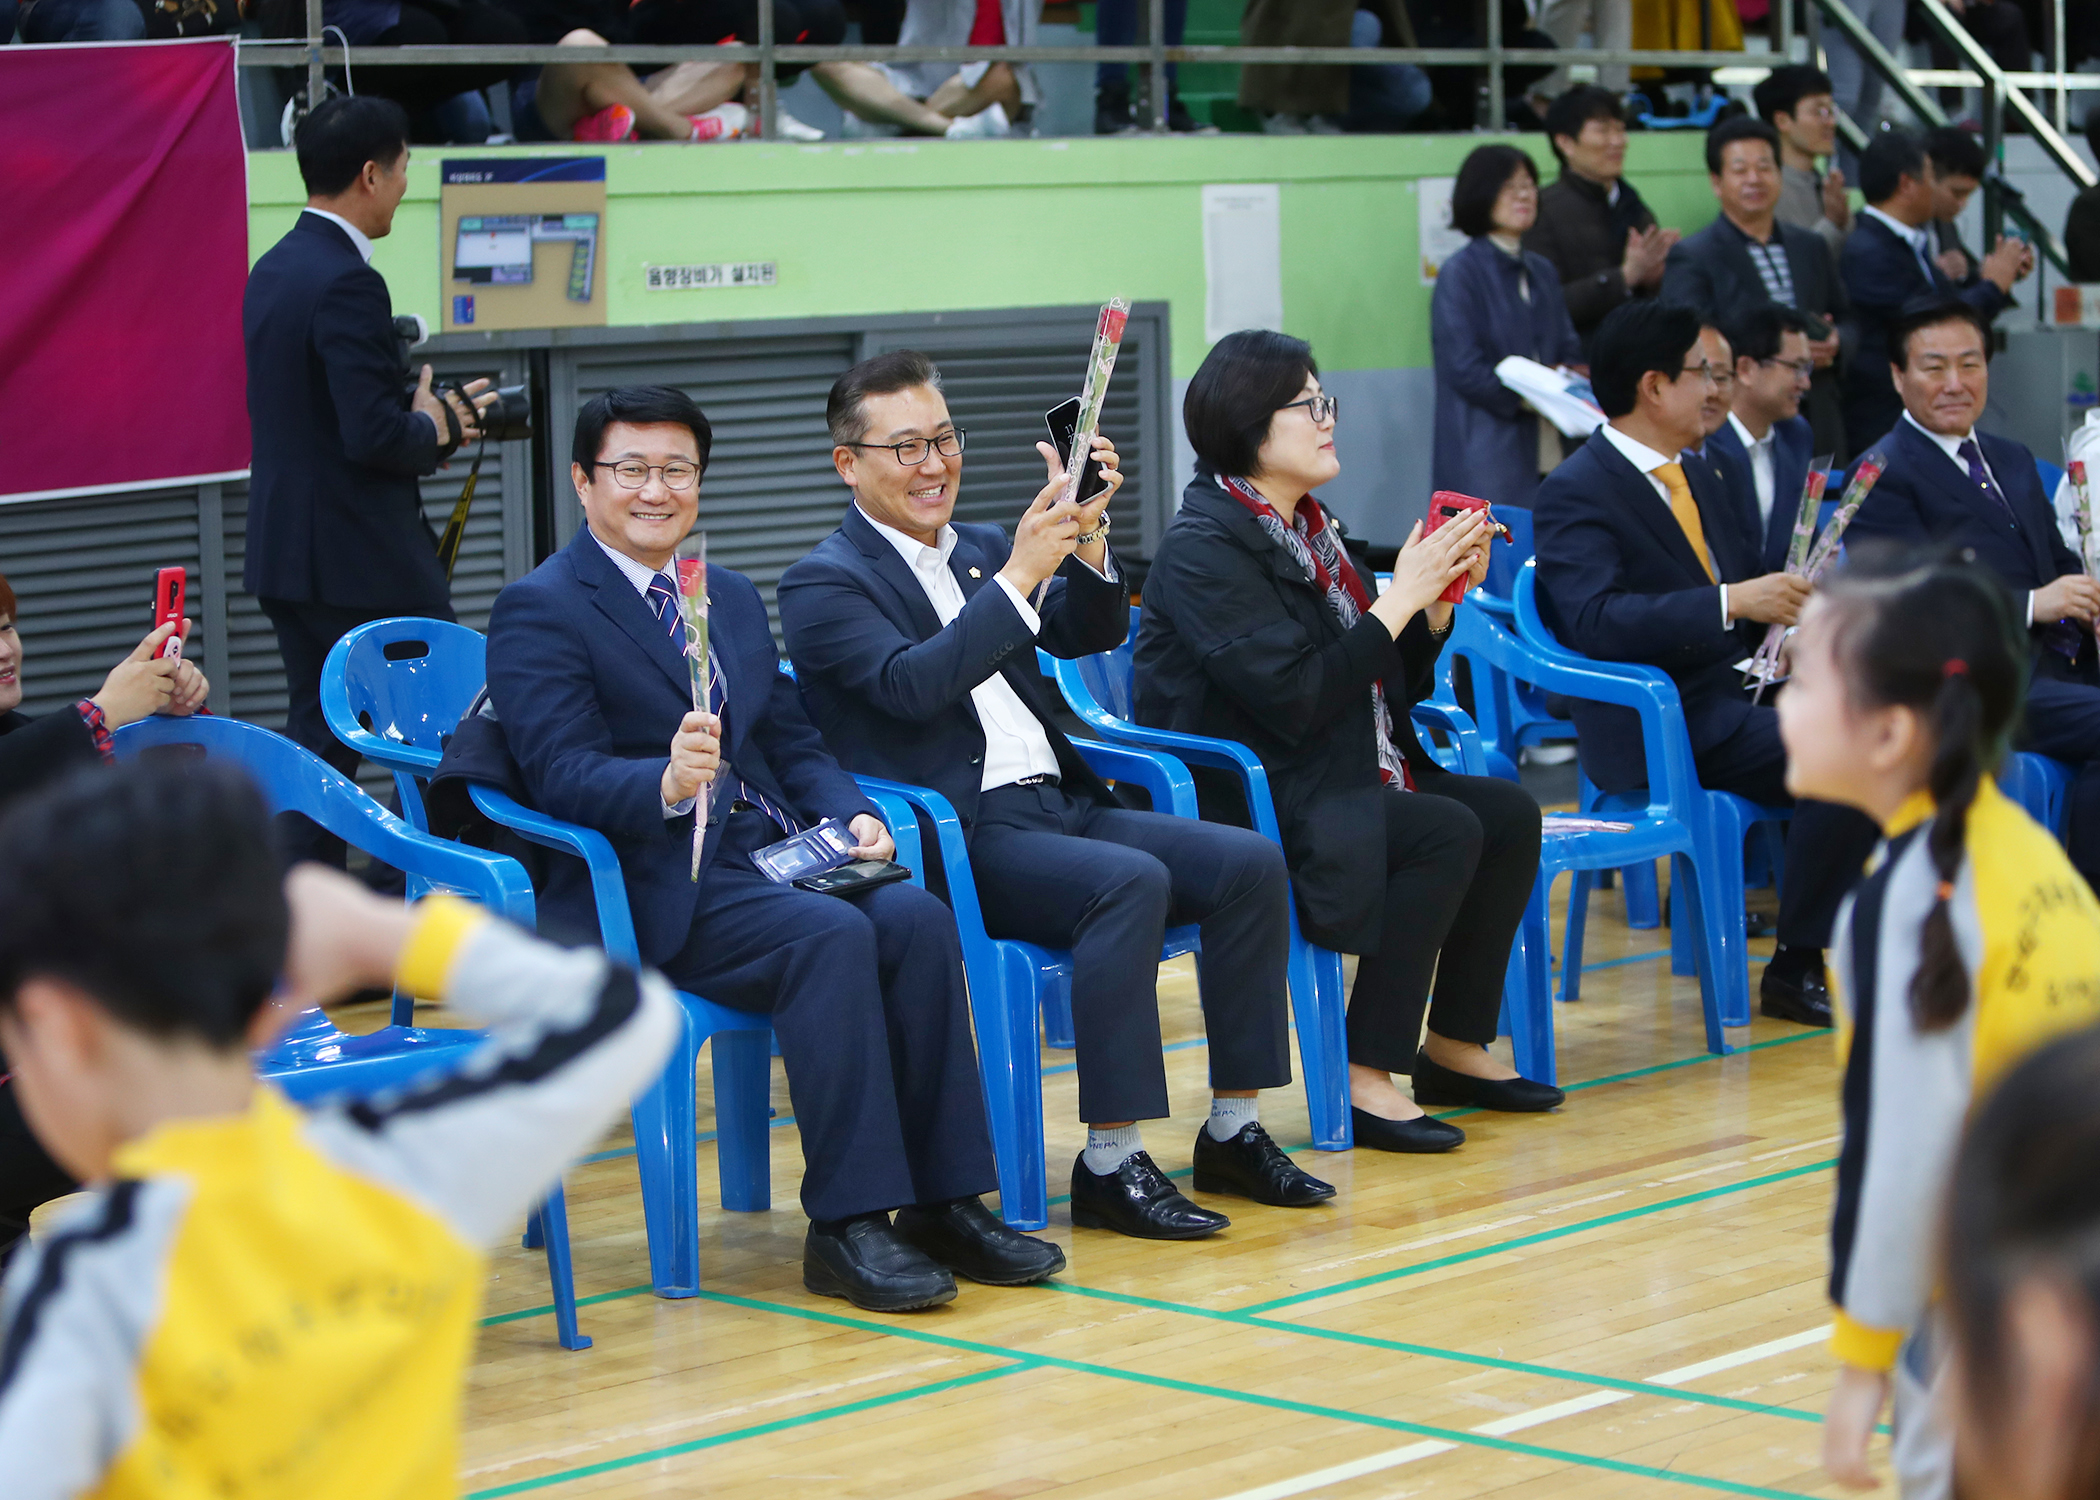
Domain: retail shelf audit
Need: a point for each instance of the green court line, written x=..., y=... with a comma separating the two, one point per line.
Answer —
x=1522, y=1240
x=541, y=1312
x=740, y=1434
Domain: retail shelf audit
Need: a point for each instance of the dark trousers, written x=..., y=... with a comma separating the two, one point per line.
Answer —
x=1827, y=844
x=1106, y=883
x=305, y=634
x=868, y=1001
x=28, y=1175
x=1461, y=854
x=2063, y=720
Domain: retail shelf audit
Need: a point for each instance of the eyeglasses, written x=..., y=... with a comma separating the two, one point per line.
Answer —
x=1803, y=368
x=632, y=473
x=1319, y=408
x=1704, y=370
x=912, y=451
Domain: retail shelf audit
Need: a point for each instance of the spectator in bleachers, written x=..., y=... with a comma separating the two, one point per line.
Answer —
x=1949, y=485
x=1320, y=99
x=1765, y=444
x=1958, y=165
x=77, y=21
x=1258, y=628
x=1748, y=257
x=1607, y=23
x=914, y=642
x=1592, y=224
x=1643, y=560
x=2082, y=221
x=981, y=99
x=1494, y=299
x=2000, y=27
x=1796, y=102
x=1460, y=93
x=1855, y=86
x=1116, y=24
x=432, y=96
x=587, y=672
x=1888, y=262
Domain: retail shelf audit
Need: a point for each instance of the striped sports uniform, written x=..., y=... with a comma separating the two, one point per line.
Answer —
x=2028, y=930
x=281, y=1304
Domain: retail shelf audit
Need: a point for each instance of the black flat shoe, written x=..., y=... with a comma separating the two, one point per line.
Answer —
x=867, y=1264
x=1802, y=998
x=970, y=1240
x=1438, y=1085
x=1252, y=1165
x=1136, y=1199
x=1422, y=1136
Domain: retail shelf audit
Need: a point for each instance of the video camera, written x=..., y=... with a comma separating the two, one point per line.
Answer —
x=508, y=419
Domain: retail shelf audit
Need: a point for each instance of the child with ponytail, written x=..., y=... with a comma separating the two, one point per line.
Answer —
x=1970, y=942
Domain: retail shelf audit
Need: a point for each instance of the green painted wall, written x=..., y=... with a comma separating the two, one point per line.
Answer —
x=897, y=226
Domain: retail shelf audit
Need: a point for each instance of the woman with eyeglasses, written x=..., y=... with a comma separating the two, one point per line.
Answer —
x=1257, y=627
x=1494, y=299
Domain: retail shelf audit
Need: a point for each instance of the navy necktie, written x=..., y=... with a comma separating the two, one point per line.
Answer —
x=727, y=783
x=2060, y=636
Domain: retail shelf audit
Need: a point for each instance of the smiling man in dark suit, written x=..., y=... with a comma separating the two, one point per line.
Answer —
x=1642, y=561
x=1763, y=447
x=1950, y=485
x=588, y=673
x=915, y=642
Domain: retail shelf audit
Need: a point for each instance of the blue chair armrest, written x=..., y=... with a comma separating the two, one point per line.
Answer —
x=335, y=708
x=949, y=842
x=1438, y=712
x=615, y=920
x=1163, y=777
x=903, y=826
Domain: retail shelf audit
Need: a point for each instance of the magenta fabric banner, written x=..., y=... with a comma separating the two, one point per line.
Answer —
x=120, y=283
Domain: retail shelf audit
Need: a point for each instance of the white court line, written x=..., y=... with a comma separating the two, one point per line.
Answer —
x=1393, y=1458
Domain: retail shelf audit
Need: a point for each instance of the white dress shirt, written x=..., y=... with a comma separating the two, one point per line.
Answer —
x=1760, y=451
x=641, y=577
x=1647, y=460
x=1014, y=743
x=1951, y=446
x=358, y=238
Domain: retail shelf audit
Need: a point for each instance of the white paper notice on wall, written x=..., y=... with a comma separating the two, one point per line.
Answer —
x=1242, y=258
x=1433, y=232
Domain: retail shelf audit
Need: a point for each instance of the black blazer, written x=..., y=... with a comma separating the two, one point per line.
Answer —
x=590, y=689
x=1767, y=537
x=1236, y=643
x=1881, y=273
x=1924, y=499
x=889, y=686
x=334, y=512
x=1712, y=271
x=34, y=751
x=1619, y=581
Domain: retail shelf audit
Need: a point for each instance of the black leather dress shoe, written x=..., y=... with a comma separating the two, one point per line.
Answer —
x=1801, y=998
x=1440, y=1086
x=1422, y=1136
x=1136, y=1199
x=1254, y=1166
x=970, y=1240
x=866, y=1263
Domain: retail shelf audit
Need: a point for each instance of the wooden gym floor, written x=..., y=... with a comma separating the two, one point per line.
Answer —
x=1624, y=1298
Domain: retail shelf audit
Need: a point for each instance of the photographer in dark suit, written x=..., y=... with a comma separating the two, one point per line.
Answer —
x=1644, y=559
x=336, y=534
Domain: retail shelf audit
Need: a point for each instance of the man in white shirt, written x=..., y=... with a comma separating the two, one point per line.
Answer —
x=914, y=640
x=1764, y=446
x=1948, y=485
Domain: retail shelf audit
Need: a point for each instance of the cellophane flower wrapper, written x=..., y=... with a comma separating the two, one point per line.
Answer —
x=691, y=565
x=1101, y=363
x=2082, y=514
x=1764, y=667
x=1805, y=513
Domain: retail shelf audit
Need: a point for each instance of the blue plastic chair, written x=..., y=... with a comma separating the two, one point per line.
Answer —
x=2052, y=475
x=2041, y=785
x=1504, y=558
x=393, y=689
x=314, y=1060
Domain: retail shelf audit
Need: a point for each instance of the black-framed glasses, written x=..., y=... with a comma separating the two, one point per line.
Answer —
x=912, y=451
x=1319, y=408
x=1704, y=370
x=632, y=473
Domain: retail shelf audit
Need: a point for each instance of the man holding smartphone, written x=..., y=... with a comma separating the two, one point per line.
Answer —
x=914, y=641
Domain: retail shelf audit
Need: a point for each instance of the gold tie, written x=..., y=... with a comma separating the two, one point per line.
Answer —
x=1686, y=510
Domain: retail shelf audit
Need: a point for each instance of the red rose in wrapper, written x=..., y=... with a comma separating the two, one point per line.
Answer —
x=692, y=575
x=1817, y=480
x=1112, y=321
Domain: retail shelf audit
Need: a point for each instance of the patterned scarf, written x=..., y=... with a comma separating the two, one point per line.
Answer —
x=1317, y=549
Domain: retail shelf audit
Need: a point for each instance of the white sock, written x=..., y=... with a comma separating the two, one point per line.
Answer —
x=1106, y=1150
x=1229, y=1116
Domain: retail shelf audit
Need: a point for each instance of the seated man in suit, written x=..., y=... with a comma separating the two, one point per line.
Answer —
x=1888, y=262
x=1764, y=445
x=587, y=671
x=1642, y=561
x=1949, y=484
x=1749, y=256
x=914, y=640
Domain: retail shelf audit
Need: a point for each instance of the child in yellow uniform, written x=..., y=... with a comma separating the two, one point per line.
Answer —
x=259, y=1302
x=1970, y=942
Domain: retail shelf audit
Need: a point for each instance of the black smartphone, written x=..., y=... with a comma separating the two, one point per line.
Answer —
x=1063, y=420
x=852, y=879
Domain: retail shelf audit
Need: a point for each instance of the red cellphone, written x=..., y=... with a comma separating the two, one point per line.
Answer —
x=1443, y=506
x=168, y=587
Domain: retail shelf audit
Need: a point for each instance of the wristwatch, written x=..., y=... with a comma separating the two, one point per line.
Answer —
x=1100, y=530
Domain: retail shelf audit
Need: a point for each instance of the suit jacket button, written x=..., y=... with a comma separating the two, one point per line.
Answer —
x=976, y=760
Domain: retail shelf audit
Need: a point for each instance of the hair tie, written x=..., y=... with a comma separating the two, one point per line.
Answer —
x=1946, y=890
x=1954, y=666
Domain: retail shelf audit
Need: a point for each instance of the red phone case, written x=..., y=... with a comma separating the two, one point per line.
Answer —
x=168, y=587
x=1443, y=505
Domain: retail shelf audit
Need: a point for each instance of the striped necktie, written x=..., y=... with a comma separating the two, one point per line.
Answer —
x=1686, y=510
x=727, y=783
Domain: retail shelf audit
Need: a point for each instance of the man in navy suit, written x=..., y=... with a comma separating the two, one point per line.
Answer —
x=1888, y=263
x=1642, y=561
x=915, y=639
x=588, y=674
x=1950, y=485
x=1763, y=447
x=336, y=534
